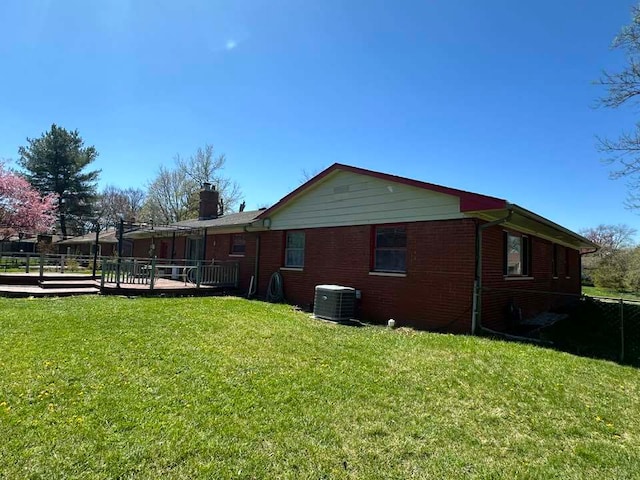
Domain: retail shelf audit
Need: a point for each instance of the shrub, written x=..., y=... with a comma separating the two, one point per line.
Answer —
x=612, y=270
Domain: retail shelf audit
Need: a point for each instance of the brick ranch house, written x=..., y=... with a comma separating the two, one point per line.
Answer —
x=429, y=256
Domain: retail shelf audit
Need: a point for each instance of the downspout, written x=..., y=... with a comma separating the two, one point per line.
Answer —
x=476, y=318
x=253, y=288
x=256, y=270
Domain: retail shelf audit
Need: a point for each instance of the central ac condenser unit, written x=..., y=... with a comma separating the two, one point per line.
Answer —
x=334, y=302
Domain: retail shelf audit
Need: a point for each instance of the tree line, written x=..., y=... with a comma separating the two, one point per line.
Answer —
x=56, y=168
x=616, y=264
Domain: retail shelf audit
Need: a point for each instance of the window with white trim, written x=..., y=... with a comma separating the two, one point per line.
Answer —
x=517, y=255
x=294, y=250
x=238, y=244
x=390, y=249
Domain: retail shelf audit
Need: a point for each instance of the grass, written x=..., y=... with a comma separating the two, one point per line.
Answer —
x=106, y=387
x=607, y=292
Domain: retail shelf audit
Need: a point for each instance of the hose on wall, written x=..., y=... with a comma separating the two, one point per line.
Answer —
x=275, y=290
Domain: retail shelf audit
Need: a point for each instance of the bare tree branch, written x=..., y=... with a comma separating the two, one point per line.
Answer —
x=623, y=88
x=173, y=195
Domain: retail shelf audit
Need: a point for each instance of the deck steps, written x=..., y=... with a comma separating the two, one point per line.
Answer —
x=26, y=285
x=75, y=284
x=22, y=291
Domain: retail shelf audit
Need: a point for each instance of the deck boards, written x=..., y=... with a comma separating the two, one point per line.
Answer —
x=27, y=286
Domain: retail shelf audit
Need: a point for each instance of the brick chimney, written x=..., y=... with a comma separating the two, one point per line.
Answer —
x=208, y=202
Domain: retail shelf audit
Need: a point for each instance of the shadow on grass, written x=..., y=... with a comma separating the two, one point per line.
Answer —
x=599, y=328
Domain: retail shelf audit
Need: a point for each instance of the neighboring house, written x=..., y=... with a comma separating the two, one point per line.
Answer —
x=85, y=244
x=15, y=244
x=24, y=243
x=416, y=252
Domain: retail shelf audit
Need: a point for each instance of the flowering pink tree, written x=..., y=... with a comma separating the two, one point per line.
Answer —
x=22, y=208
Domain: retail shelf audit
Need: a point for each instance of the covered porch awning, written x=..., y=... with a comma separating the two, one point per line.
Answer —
x=526, y=221
x=149, y=231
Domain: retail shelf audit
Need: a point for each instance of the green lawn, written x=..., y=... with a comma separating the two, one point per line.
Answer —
x=107, y=387
x=606, y=292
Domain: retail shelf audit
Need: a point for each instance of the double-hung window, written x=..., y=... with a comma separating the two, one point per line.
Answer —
x=517, y=255
x=238, y=244
x=390, y=249
x=294, y=250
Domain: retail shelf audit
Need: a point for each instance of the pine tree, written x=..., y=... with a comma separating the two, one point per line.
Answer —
x=56, y=163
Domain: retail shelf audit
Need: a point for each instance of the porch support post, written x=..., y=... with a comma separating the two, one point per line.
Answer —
x=95, y=252
x=204, y=245
x=120, y=235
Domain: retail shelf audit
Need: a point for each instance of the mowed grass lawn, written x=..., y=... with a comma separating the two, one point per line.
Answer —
x=106, y=387
x=607, y=292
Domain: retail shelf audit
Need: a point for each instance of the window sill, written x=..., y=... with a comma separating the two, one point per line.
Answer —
x=388, y=274
x=555, y=278
x=514, y=277
x=291, y=269
x=236, y=254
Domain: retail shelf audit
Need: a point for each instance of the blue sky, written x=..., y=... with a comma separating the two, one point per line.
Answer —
x=494, y=97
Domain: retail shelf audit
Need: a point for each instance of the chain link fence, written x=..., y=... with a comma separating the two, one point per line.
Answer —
x=599, y=327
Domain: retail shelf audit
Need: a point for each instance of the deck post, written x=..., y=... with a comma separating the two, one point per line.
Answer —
x=621, y=303
x=198, y=273
x=28, y=262
x=103, y=270
x=41, y=266
x=152, y=273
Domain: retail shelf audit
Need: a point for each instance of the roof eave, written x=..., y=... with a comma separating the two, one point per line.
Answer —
x=530, y=222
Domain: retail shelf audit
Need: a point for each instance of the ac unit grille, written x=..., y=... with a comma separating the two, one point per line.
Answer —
x=334, y=302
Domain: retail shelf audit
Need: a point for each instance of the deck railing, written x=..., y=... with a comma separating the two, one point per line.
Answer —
x=127, y=271
x=19, y=262
x=145, y=271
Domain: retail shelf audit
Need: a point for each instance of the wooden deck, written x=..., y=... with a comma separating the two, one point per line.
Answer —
x=47, y=285
x=162, y=287
x=59, y=285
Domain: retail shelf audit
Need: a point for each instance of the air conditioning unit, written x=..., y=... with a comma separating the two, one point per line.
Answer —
x=334, y=302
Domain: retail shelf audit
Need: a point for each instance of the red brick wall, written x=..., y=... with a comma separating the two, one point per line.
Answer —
x=436, y=292
x=218, y=248
x=505, y=299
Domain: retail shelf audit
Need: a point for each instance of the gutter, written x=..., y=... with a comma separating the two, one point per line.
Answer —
x=476, y=317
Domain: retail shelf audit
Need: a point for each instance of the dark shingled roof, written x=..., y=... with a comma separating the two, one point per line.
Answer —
x=106, y=236
x=228, y=220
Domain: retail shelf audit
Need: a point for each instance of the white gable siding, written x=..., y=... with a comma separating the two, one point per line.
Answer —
x=347, y=198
